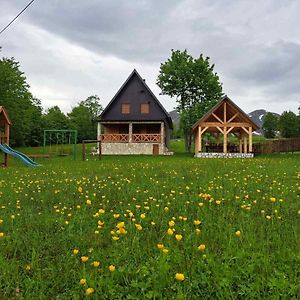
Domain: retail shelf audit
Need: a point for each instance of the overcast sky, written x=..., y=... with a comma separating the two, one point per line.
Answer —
x=71, y=49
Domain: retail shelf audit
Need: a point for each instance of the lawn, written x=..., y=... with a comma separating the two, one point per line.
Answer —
x=146, y=227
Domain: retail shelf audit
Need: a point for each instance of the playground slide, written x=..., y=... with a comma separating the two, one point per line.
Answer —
x=21, y=156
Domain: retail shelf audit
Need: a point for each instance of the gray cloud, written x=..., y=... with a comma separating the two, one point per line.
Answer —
x=255, y=45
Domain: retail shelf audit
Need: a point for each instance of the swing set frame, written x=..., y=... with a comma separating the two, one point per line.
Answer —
x=72, y=134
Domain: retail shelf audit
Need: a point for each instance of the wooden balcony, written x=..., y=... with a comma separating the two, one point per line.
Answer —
x=114, y=138
x=127, y=138
x=146, y=138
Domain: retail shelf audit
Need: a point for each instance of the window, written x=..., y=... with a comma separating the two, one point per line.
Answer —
x=145, y=108
x=125, y=109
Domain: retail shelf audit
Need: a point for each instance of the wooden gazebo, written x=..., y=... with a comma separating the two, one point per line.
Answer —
x=4, y=130
x=224, y=118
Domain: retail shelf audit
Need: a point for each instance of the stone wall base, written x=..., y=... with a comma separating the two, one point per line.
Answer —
x=130, y=148
x=223, y=155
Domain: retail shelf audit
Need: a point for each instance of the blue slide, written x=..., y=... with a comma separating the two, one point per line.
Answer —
x=21, y=156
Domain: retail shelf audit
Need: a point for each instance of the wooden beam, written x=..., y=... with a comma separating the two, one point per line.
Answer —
x=196, y=141
x=217, y=118
x=232, y=118
x=250, y=139
x=245, y=143
x=202, y=131
x=241, y=144
x=230, y=129
x=225, y=111
x=200, y=139
x=245, y=130
x=220, y=129
x=225, y=140
x=231, y=124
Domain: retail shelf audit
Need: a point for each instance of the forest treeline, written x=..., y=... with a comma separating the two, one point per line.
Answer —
x=28, y=117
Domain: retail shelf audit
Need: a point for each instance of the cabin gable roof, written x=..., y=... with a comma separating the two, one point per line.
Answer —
x=135, y=92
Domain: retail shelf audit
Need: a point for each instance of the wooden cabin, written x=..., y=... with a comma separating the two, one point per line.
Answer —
x=223, y=119
x=134, y=122
x=5, y=124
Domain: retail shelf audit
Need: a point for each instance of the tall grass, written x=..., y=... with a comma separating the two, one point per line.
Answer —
x=147, y=217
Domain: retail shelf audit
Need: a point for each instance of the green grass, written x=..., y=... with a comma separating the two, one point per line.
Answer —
x=46, y=215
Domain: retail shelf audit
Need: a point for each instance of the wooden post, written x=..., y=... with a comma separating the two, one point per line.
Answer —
x=130, y=132
x=199, y=139
x=241, y=143
x=245, y=143
x=225, y=139
x=250, y=139
x=7, y=133
x=98, y=134
x=196, y=141
x=162, y=132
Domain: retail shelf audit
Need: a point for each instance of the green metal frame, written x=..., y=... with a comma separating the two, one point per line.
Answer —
x=74, y=140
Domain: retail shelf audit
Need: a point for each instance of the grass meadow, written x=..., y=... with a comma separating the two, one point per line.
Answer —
x=146, y=227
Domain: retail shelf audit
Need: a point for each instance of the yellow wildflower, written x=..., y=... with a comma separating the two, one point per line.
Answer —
x=160, y=246
x=201, y=247
x=178, y=237
x=89, y=291
x=179, y=276
x=75, y=251
x=170, y=231
x=171, y=223
x=96, y=263
x=2, y=235
x=138, y=227
x=238, y=233
x=82, y=281
x=84, y=259
x=111, y=268
x=197, y=222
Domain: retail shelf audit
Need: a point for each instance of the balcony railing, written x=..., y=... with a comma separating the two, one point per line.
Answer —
x=146, y=138
x=114, y=138
x=125, y=138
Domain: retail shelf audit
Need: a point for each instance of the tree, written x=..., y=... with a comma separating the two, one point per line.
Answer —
x=288, y=124
x=18, y=101
x=195, y=86
x=55, y=119
x=83, y=117
x=270, y=125
x=81, y=120
x=93, y=105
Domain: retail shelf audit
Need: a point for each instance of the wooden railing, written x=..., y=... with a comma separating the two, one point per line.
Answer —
x=146, y=138
x=136, y=138
x=115, y=138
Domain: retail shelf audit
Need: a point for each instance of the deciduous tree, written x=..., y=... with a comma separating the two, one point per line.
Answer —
x=194, y=84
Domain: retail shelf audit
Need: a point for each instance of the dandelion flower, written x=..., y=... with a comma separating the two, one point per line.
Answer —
x=238, y=233
x=178, y=237
x=201, y=247
x=171, y=223
x=2, y=235
x=170, y=231
x=111, y=268
x=89, y=291
x=197, y=222
x=160, y=246
x=179, y=276
x=84, y=259
x=82, y=281
x=75, y=251
x=96, y=263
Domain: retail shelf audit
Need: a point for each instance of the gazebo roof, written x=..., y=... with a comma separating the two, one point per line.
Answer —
x=4, y=119
x=233, y=113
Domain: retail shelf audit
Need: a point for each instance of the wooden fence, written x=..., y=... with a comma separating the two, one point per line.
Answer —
x=277, y=146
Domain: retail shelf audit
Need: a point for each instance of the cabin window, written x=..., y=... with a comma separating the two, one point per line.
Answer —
x=145, y=108
x=125, y=108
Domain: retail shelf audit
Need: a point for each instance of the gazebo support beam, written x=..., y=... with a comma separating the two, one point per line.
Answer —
x=250, y=139
x=225, y=140
x=245, y=143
